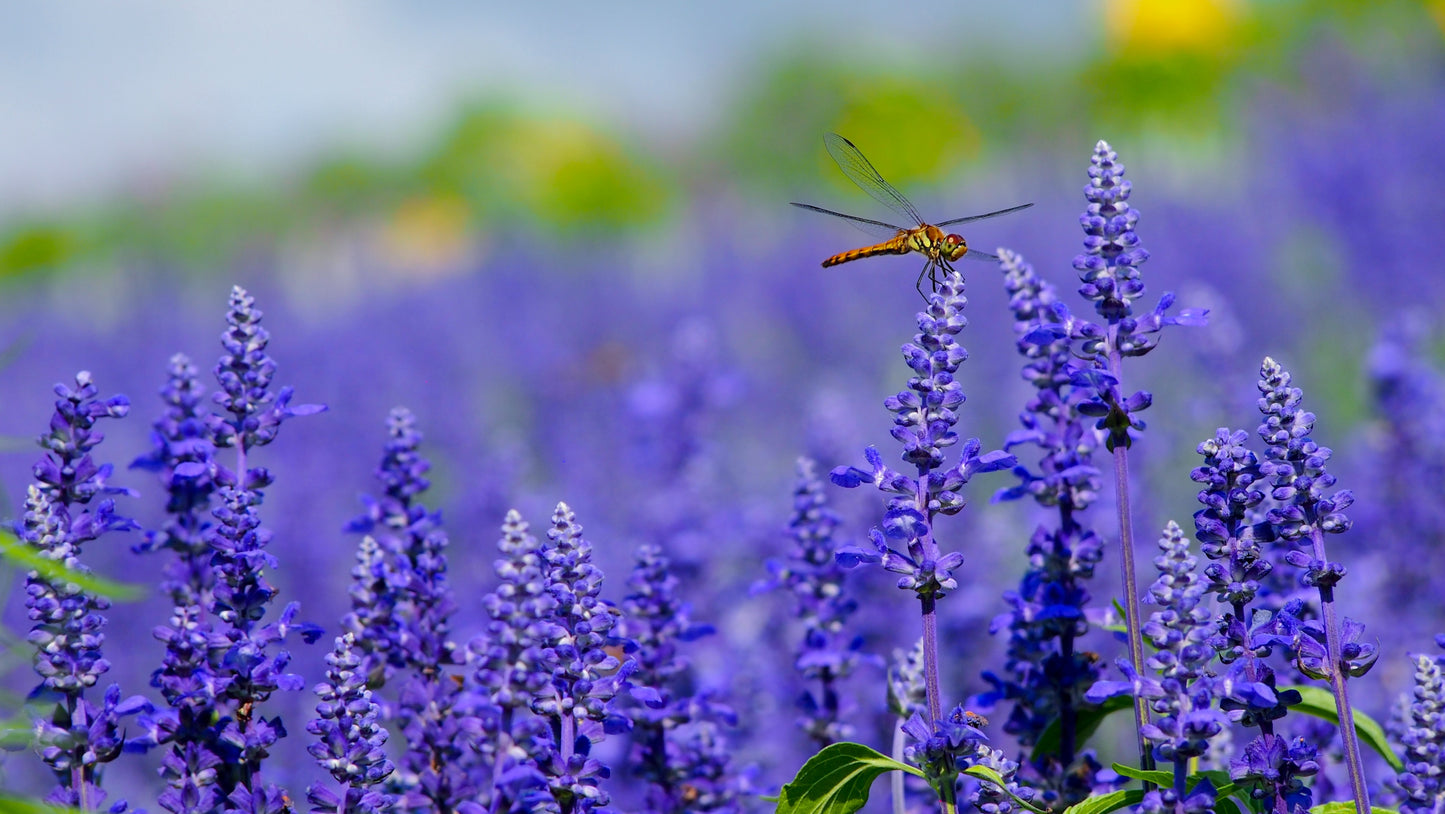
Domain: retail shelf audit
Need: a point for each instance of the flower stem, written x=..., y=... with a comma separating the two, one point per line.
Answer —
x=1337, y=676
x=1132, y=621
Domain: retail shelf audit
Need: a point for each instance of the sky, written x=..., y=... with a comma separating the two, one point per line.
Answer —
x=103, y=99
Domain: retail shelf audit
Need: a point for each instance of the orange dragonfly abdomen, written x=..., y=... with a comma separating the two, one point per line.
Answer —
x=898, y=245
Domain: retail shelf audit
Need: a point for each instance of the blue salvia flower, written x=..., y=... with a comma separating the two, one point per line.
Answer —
x=944, y=748
x=1241, y=575
x=1274, y=769
x=1185, y=718
x=1045, y=674
x=510, y=661
x=75, y=736
x=401, y=619
x=924, y=418
x=181, y=453
x=1423, y=781
x=245, y=372
x=586, y=676
x=816, y=580
x=245, y=674
x=1304, y=513
x=676, y=744
x=350, y=739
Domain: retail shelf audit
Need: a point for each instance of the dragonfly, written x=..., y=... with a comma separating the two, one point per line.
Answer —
x=928, y=239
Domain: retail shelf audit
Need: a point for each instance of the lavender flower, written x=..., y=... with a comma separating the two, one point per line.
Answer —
x=245, y=372
x=586, y=676
x=924, y=418
x=1232, y=533
x=240, y=673
x=1423, y=781
x=1109, y=271
x=181, y=454
x=510, y=662
x=815, y=579
x=349, y=737
x=1305, y=513
x=1274, y=769
x=74, y=737
x=1045, y=674
x=1185, y=716
x=401, y=619
x=677, y=747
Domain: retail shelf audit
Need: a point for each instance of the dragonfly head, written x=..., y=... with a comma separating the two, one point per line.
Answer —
x=952, y=247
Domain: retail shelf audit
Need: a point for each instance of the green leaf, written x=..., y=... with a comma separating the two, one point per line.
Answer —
x=837, y=780
x=10, y=804
x=1348, y=806
x=1320, y=703
x=1086, y=723
x=27, y=557
x=1157, y=777
x=1103, y=803
x=988, y=775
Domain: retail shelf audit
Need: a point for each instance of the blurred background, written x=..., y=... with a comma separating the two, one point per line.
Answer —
x=559, y=233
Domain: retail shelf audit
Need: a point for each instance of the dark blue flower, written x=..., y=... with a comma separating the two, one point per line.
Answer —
x=66, y=509
x=923, y=421
x=349, y=736
x=1423, y=780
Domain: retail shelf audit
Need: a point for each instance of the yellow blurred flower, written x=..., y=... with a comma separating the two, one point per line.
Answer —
x=1161, y=27
x=428, y=232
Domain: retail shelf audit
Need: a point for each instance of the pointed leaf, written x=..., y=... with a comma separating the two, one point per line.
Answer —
x=1348, y=807
x=27, y=557
x=988, y=775
x=1157, y=777
x=1104, y=803
x=1319, y=702
x=837, y=780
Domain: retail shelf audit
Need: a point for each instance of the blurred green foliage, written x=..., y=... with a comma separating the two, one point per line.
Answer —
x=1170, y=74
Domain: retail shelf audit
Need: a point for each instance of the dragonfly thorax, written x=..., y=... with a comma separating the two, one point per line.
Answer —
x=931, y=241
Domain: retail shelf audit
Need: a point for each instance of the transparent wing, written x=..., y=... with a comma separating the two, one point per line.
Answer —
x=982, y=257
x=873, y=227
x=860, y=172
x=972, y=218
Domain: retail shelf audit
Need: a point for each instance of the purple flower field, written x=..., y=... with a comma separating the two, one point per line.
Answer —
x=563, y=534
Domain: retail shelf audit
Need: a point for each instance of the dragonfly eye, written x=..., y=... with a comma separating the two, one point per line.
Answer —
x=952, y=240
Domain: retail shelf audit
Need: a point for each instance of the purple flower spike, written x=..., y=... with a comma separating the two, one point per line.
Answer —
x=815, y=575
x=1423, y=781
x=1109, y=268
x=245, y=373
x=350, y=738
x=1185, y=718
x=677, y=746
x=181, y=454
x=74, y=736
x=923, y=421
x=401, y=608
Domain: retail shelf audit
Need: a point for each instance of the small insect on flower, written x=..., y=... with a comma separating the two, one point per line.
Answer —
x=929, y=240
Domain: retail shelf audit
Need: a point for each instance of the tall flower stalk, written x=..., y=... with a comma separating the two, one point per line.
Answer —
x=924, y=419
x=1305, y=513
x=1046, y=673
x=401, y=620
x=1109, y=271
x=75, y=736
x=814, y=577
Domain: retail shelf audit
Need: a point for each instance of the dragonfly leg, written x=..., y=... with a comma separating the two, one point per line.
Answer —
x=918, y=284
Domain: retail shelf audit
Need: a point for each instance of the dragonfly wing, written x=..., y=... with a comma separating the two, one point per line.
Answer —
x=851, y=161
x=972, y=218
x=982, y=257
x=872, y=227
